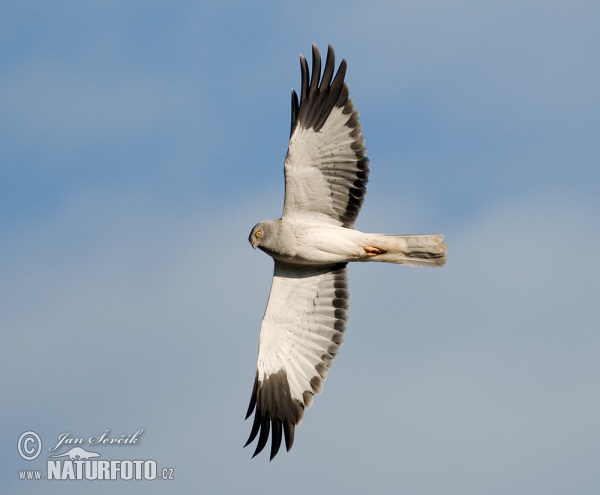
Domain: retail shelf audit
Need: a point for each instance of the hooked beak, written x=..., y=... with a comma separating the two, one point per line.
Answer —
x=251, y=241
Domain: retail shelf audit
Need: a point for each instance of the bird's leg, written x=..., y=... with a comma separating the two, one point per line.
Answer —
x=373, y=251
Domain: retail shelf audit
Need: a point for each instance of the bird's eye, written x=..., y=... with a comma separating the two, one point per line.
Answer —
x=258, y=233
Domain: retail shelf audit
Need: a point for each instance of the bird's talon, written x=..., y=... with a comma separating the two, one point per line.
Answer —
x=373, y=251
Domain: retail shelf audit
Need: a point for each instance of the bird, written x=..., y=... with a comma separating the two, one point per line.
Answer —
x=326, y=171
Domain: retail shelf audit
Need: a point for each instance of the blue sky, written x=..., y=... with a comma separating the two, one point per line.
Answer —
x=141, y=141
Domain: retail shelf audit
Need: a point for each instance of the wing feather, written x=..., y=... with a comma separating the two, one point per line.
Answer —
x=326, y=167
x=301, y=333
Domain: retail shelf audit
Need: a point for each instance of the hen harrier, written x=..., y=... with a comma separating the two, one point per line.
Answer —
x=326, y=172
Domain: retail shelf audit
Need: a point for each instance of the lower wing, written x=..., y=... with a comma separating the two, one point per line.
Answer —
x=301, y=333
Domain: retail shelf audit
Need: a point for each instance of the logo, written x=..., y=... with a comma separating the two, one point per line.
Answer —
x=77, y=453
x=26, y=451
x=79, y=463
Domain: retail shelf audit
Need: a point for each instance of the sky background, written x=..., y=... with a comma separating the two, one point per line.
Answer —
x=141, y=141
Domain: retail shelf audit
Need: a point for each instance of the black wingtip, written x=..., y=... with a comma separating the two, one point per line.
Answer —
x=275, y=413
x=329, y=67
x=288, y=433
x=316, y=69
x=319, y=93
x=305, y=77
x=265, y=427
x=254, y=431
x=275, y=438
x=253, y=396
x=295, y=106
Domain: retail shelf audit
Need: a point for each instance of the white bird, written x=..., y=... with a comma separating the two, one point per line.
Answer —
x=326, y=171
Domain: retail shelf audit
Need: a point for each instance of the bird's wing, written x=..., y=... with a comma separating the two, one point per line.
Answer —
x=326, y=168
x=302, y=331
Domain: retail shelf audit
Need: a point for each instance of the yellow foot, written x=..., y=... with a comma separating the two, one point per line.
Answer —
x=373, y=251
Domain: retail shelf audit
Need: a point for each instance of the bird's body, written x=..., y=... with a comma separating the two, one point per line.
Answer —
x=326, y=172
x=301, y=241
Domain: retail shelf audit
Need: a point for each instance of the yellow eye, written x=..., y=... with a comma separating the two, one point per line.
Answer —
x=258, y=233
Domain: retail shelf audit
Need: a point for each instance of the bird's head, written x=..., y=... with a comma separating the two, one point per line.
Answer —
x=266, y=235
x=256, y=235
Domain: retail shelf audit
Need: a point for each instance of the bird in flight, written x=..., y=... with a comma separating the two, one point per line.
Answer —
x=326, y=171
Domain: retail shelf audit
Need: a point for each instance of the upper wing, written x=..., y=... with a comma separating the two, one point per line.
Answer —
x=301, y=333
x=326, y=168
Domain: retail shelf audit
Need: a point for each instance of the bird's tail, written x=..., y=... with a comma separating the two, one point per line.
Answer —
x=411, y=250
